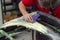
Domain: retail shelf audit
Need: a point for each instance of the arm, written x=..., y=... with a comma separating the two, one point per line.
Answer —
x=25, y=14
x=22, y=8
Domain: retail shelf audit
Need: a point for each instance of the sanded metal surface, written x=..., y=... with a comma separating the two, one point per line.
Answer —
x=35, y=26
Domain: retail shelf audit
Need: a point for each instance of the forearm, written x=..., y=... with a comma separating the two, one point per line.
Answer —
x=22, y=8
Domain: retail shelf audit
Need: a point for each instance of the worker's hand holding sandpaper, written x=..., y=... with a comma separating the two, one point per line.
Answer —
x=31, y=17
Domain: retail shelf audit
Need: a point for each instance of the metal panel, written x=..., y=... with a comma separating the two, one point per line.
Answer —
x=1, y=20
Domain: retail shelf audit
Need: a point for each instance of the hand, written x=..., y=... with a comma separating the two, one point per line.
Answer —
x=28, y=17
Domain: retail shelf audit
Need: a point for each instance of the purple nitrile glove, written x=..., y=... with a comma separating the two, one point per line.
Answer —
x=35, y=17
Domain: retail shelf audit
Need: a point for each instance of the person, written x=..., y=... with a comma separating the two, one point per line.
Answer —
x=40, y=5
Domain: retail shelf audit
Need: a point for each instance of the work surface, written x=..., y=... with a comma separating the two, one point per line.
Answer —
x=21, y=21
x=35, y=26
